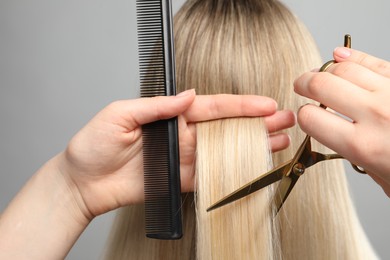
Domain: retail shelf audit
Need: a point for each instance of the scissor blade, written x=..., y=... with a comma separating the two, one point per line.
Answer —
x=285, y=187
x=268, y=178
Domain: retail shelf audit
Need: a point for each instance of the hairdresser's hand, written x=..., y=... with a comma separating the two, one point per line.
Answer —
x=358, y=86
x=104, y=160
x=102, y=169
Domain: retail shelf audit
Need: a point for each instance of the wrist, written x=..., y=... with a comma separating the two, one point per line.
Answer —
x=45, y=218
x=70, y=186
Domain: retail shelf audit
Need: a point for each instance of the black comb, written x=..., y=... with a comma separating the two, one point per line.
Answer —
x=163, y=217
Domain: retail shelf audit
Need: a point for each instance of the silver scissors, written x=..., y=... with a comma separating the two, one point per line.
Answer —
x=290, y=171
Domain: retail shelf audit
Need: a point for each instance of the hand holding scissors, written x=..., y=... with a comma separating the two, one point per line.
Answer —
x=290, y=171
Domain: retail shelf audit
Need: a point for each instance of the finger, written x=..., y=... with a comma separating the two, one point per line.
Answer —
x=145, y=110
x=376, y=65
x=332, y=91
x=280, y=120
x=360, y=76
x=279, y=142
x=211, y=107
x=326, y=127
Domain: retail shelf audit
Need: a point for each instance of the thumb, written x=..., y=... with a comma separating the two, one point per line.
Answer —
x=146, y=110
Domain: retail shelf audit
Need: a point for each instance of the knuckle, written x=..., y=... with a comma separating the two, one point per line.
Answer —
x=383, y=66
x=378, y=112
x=115, y=105
x=343, y=68
x=378, y=65
x=215, y=106
x=158, y=107
x=374, y=110
x=363, y=59
x=210, y=108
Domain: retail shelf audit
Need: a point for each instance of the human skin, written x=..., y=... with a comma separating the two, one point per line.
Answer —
x=358, y=87
x=101, y=169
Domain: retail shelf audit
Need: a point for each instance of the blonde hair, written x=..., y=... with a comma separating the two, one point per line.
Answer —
x=248, y=47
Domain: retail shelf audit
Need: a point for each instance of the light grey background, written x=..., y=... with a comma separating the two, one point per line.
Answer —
x=63, y=61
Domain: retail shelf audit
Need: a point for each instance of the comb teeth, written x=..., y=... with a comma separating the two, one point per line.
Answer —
x=163, y=218
x=160, y=139
x=151, y=48
x=162, y=208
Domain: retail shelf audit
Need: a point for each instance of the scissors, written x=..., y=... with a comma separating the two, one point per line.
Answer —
x=290, y=171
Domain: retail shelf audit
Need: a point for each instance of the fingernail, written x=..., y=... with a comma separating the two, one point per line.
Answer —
x=274, y=103
x=186, y=93
x=315, y=70
x=342, y=52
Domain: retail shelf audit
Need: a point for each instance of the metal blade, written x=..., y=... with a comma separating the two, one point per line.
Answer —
x=285, y=187
x=290, y=178
x=268, y=178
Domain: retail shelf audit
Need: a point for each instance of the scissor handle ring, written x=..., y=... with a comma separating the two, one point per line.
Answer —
x=327, y=65
x=359, y=169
